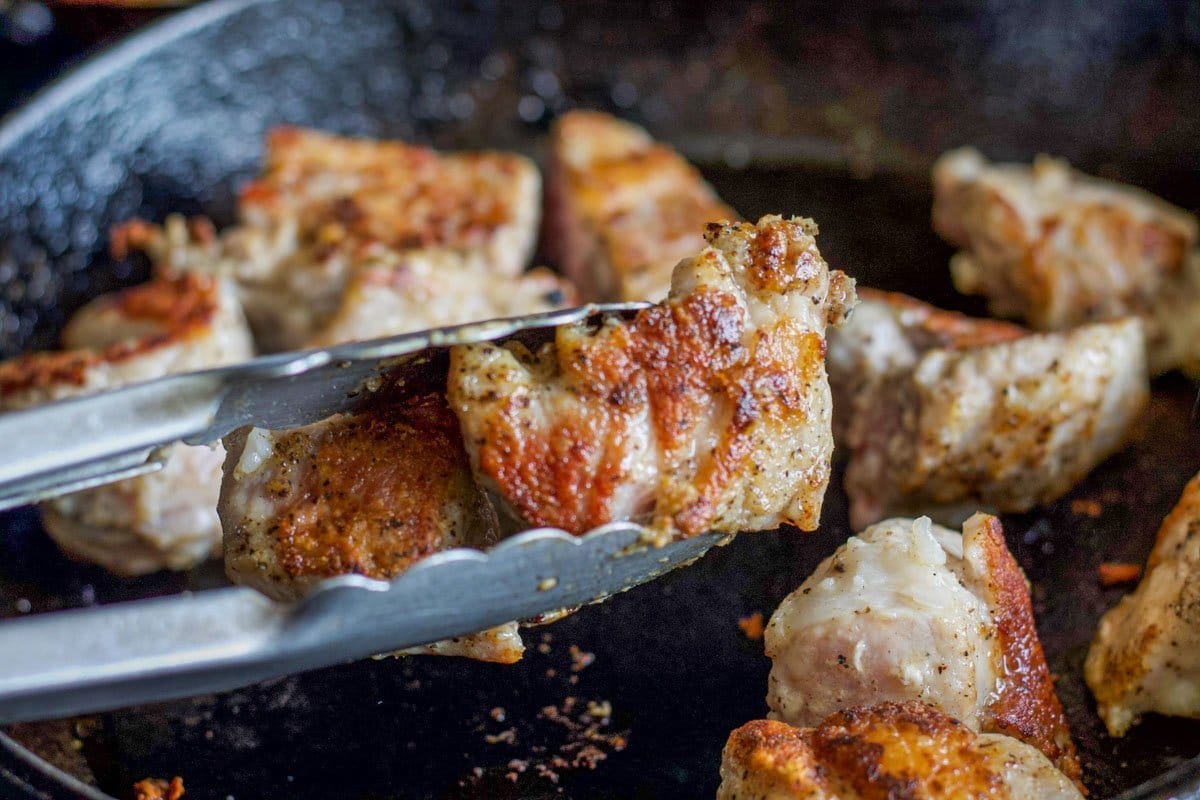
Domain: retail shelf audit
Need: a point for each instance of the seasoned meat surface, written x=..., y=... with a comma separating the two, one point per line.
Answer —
x=327, y=207
x=890, y=750
x=939, y=411
x=708, y=411
x=886, y=336
x=174, y=323
x=436, y=290
x=622, y=209
x=1060, y=249
x=369, y=493
x=1146, y=653
x=908, y=610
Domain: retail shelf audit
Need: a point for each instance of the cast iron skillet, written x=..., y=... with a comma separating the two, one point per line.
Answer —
x=794, y=109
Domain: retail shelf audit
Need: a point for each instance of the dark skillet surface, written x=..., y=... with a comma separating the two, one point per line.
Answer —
x=669, y=657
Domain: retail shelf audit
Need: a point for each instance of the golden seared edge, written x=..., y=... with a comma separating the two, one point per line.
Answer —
x=622, y=210
x=368, y=494
x=174, y=323
x=368, y=192
x=908, y=751
x=908, y=610
x=1146, y=653
x=708, y=411
x=1060, y=248
x=939, y=411
x=327, y=207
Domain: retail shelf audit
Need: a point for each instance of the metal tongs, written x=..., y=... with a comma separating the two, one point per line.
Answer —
x=95, y=659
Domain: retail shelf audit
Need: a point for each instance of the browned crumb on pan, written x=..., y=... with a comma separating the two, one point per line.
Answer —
x=752, y=626
x=577, y=737
x=158, y=789
x=1113, y=573
x=588, y=740
x=580, y=659
x=1087, y=508
x=506, y=736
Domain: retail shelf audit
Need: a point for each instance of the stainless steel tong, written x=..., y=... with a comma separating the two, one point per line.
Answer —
x=87, y=660
x=75, y=444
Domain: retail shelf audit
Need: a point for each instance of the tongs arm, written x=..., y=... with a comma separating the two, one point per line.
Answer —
x=82, y=442
x=81, y=661
x=87, y=441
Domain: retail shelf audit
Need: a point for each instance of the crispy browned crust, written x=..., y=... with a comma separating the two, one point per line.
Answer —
x=893, y=751
x=623, y=204
x=181, y=306
x=1118, y=667
x=373, y=492
x=668, y=353
x=677, y=357
x=770, y=758
x=1027, y=707
x=158, y=789
x=941, y=328
x=406, y=196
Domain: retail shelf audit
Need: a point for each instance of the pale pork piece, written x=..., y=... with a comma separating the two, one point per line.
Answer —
x=166, y=519
x=908, y=610
x=707, y=412
x=939, y=411
x=622, y=209
x=890, y=750
x=1060, y=248
x=369, y=493
x=326, y=205
x=1146, y=653
x=435, y=290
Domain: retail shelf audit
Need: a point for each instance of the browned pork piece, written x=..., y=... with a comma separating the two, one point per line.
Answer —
x=622, y=209
x=166, y=519
x=939, y=411
x=1060, y=248
x=370, y=493
x=1146, y=654
x=457, y=227
x=890, y=750
x=708, y=411
x=907, y=610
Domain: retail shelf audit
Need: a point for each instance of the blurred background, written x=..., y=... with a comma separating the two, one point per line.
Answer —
x=39, y=39
x=861, y=88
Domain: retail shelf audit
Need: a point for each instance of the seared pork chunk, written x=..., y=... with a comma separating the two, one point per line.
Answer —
x=325, y=206
x=707, y=412
x=939, y=411
x=435, y=290
x=166, y=519
x=1146, y=654
x=1060, y=249
x=908, y=610
x=889, y=750
x=622, y=209
x=370, y=493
